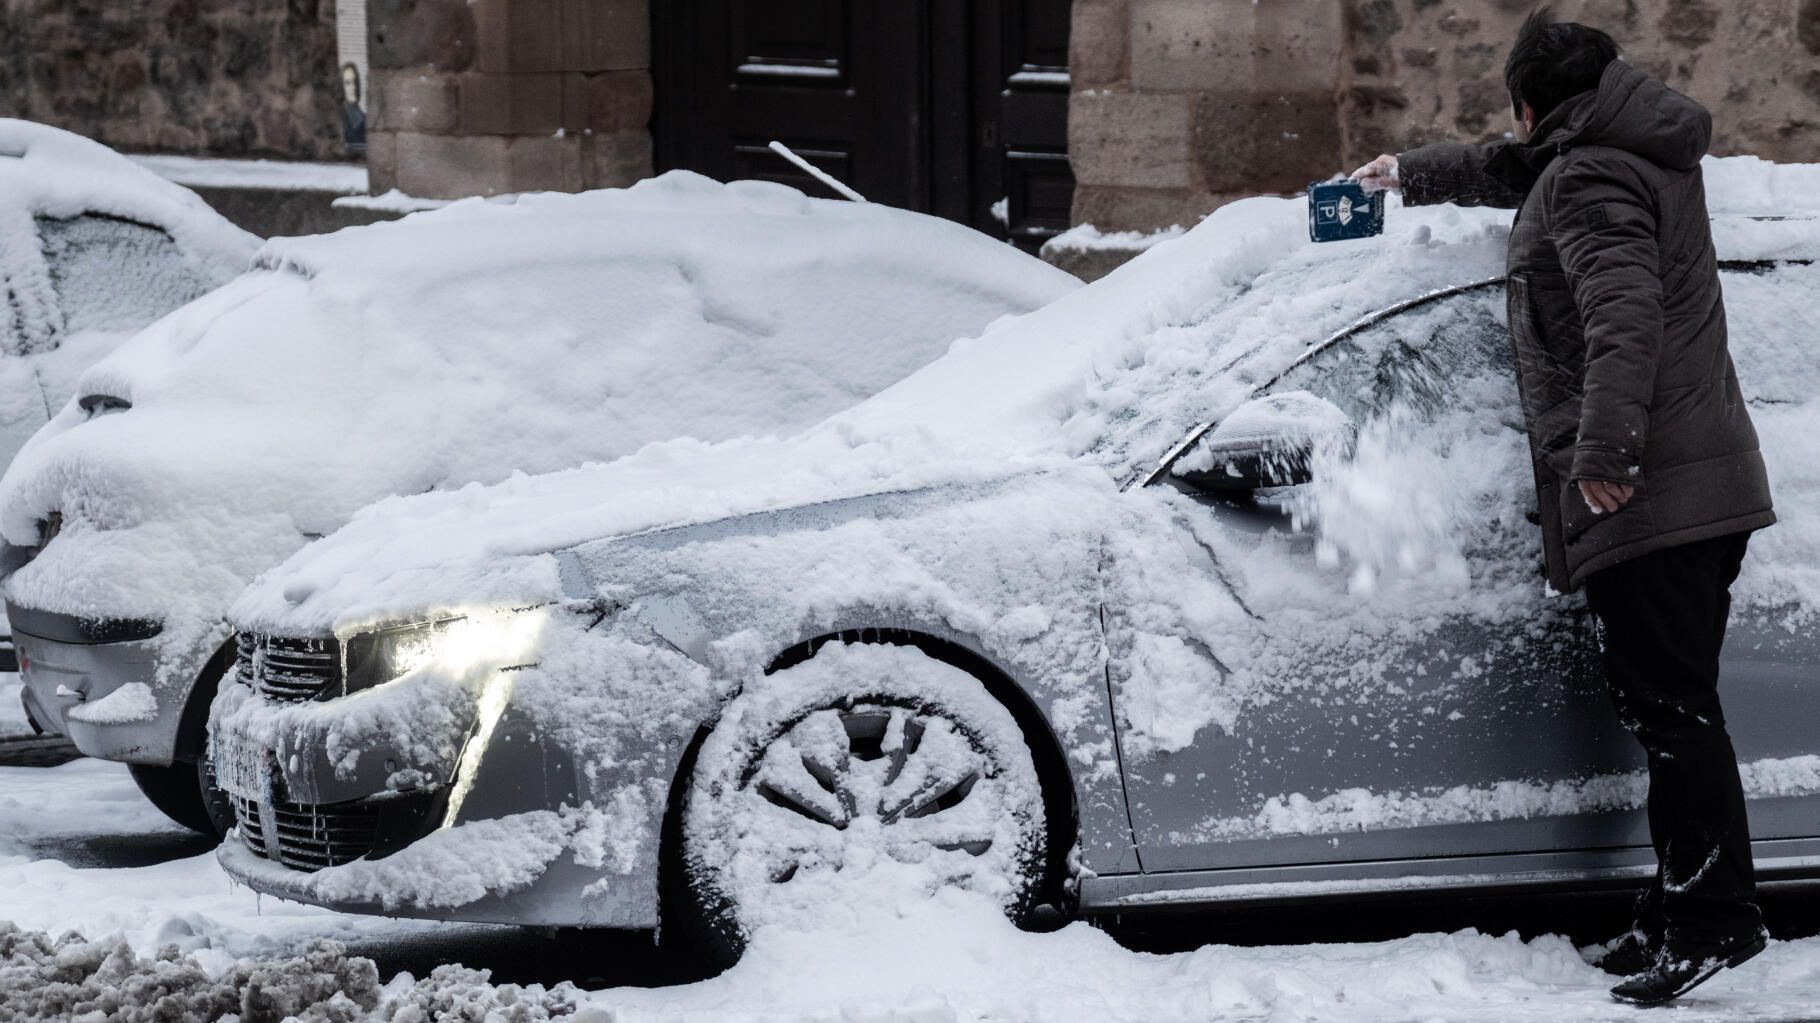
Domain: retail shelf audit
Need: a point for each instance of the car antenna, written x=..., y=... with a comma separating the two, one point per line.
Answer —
x=816, y=172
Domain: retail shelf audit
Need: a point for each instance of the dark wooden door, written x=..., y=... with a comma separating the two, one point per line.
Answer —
x=954, y=107
x=1020, y=111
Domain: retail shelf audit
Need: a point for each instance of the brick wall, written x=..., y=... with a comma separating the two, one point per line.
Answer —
x=1180, y=105
x=479, y=97
x=243, y=78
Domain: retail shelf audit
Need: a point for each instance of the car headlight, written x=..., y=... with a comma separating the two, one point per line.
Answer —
x=375, y=658
x=458, y=644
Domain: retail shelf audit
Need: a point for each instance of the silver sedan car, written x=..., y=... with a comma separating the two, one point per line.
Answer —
x=1277, y=629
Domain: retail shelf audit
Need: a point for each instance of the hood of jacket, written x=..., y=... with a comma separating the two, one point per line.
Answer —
x=1630, y=110
x=1634, y=112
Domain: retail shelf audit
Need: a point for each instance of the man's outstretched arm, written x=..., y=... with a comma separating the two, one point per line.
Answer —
x=1453, y=172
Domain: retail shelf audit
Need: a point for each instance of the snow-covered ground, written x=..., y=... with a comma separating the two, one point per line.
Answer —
x=860, y=958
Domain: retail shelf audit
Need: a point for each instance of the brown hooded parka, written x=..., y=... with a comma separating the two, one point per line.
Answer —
x=1617, y=319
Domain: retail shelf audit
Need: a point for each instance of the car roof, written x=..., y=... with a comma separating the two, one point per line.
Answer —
x=49, y=172
x=1121, y=370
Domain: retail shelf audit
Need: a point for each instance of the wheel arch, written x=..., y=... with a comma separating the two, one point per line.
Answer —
x=193, y=725
x=1060, y=804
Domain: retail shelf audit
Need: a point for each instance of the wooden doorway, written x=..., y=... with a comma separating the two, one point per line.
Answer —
x=952, y=107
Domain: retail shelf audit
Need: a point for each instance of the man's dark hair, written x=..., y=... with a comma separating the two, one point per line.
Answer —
x=1553, y=61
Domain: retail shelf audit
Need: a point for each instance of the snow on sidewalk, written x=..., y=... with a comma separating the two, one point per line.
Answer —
x=854, y=957
x=954, y=959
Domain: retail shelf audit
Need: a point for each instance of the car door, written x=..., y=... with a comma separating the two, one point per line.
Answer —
x=1452, y=707
x=1770, y=680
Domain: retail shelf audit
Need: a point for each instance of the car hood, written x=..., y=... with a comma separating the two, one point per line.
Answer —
x=406, y=558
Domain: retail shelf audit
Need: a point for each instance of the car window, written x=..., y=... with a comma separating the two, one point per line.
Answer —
x=114, y=275
x=1417, y=360
x=1435, y=484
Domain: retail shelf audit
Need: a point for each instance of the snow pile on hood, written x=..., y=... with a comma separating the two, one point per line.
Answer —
x=466, y=343
x=1113, y=375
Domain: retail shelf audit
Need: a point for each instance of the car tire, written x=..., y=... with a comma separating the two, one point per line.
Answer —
x=186, y=793
x=805, y=773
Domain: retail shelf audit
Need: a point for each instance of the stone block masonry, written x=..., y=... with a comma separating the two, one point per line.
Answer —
x=481, y=97
x=1181, y=105
x=188, y=76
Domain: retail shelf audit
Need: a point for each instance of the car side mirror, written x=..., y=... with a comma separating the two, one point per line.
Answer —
x=1266, y=442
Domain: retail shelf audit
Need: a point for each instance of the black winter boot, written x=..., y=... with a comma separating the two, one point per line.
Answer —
x=1685, y=963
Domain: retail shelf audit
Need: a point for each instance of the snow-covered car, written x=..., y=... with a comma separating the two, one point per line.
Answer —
x=447, y=348
x=1213, y=581
x=92, y=248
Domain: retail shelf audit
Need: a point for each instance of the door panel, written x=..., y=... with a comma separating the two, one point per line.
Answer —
x=1483, y=727
x=1420, y=715
x=1770, y=681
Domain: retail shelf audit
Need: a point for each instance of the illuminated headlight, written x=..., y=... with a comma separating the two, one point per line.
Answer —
x=375, y=658
x=459, y=645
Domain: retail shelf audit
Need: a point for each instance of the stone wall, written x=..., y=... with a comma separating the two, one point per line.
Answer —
x=480, y=97
x=199, y=77
x=1180, y=105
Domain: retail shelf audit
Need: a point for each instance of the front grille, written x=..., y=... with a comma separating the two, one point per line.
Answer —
x=308, y=837
x=289, y=668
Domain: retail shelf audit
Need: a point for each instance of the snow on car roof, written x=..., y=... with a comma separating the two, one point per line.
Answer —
x=681, y=217
x=1110, y=375
x=49, y=172
x=1122, y=369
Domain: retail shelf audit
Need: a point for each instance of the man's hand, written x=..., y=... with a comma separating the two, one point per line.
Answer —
x=1379, y=175
x=1604, y=497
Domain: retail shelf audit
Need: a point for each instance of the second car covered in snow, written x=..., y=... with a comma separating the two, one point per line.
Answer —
x=451, y=347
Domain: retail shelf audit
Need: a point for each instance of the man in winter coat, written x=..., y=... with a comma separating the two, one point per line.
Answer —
x=1647, y=467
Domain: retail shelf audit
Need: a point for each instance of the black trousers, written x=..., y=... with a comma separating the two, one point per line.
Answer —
x=1661, y=623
